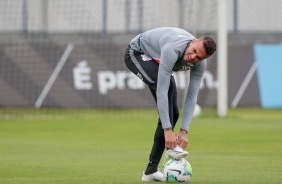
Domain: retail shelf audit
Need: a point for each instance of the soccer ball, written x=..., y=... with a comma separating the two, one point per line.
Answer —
x=197, y=111
x=177, y=171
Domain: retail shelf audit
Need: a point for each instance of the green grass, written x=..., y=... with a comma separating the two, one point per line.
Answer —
x=244, y=148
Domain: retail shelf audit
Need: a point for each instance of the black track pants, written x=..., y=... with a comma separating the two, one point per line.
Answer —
x=144, y=67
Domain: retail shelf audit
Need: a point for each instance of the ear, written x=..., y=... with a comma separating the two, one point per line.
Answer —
x=194, y=41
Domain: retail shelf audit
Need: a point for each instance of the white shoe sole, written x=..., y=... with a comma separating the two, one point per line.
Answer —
x=153, y=178
x=176, y=154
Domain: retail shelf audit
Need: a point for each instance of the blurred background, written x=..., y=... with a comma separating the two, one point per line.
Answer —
x=58, y=55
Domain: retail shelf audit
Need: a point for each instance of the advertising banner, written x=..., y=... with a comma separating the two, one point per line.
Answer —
x=49, y=74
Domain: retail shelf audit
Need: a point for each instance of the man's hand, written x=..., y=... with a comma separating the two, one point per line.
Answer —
x=170, y=139
x=182, y=139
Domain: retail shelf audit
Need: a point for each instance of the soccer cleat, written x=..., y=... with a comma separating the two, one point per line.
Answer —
x=156, y=176
x=176, y=153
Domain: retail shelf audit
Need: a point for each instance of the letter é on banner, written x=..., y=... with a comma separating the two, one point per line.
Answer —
x=82, y=76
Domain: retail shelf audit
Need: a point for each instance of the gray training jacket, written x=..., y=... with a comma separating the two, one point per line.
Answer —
x=169, y=44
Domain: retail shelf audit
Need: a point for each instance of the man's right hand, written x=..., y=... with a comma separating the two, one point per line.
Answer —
x=170, y=139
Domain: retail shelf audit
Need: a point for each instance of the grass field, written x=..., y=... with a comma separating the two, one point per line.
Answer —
x=244, y=148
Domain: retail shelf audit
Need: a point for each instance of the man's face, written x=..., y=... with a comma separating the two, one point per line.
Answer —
x=195, y=52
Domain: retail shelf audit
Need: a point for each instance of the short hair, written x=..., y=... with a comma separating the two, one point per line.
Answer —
x=209, y=44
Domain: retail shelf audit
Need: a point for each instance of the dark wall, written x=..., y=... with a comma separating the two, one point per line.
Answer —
x=94, y=74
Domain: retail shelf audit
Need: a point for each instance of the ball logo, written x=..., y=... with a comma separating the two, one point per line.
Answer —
x=179, y=172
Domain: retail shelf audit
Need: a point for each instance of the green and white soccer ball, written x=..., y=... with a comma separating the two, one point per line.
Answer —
x=177, y=171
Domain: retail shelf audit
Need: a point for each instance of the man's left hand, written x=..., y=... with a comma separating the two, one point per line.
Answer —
x=182, y=138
